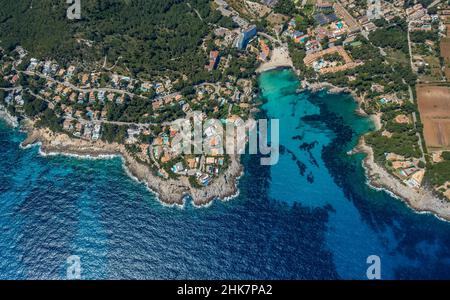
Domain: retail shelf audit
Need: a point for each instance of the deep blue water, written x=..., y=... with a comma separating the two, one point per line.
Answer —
x=310, y=216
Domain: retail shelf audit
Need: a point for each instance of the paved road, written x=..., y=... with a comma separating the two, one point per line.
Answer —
x=88, y=90
x=434, y=3
x=214, y=86
x=271, y=38
x=84, y=90
x=411, y=97
x=410, y=48
x=11, y=89
x=113, y=66
x=83, y=121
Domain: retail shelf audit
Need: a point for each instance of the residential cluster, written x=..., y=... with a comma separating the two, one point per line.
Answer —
x=321, y=63
x=83, y=100
x=166, y=150
x=333, y=27
x=119, y=84
x=425, y=52
x=326, y=32
x=407, y=169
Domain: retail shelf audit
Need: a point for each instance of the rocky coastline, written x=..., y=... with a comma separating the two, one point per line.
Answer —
x=421, y=200
x=9, y=119
x=168, y=191
x=175, y=191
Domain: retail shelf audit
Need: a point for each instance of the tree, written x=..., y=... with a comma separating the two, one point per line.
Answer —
x=34, y=106
x=392, y=36
x=446, y=155
x=285, y=7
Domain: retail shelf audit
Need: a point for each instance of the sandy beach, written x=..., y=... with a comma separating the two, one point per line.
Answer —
x=280, y=58
x=174, y=191
x=376, y=119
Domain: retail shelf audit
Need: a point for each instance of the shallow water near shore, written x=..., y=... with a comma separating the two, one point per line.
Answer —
x=310, y=216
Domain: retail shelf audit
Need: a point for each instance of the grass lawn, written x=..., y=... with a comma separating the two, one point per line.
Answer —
x=434, y=67
x=397, y=56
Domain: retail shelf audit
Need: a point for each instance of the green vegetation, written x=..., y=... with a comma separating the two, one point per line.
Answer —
x=33, y=106
x=4, y=83
x=129, y=111
x=402, y=143
x=114, y=133
x=49, y=120
x=375, y=70
x=242, y=66
x=194, y=182
x=446, y=155
x=404, y=140
x=365, y=51
x=148, y=35
x=297, y=55
x=392, y=35
x=439, y=173
x=133, y=148
x=285, y=7
x=333, y=57
x=422, y=36
x=360, y=4
x=50, y=30
x=168, y=114
x=304, y=18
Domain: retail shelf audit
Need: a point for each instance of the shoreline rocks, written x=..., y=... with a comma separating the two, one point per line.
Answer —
x=173, y=192
x=9, y=119
x=421, y=200
x=170, y=191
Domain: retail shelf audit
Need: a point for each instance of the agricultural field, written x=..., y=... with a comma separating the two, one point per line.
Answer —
x=445, y=48
x=445, y=53
x=434, y=108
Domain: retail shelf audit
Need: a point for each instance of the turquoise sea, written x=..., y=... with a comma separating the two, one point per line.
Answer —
x=311, y=216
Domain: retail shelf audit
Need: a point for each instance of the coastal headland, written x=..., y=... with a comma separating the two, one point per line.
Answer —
x=112, y=111
x=420, y=200
x=168, y=191
x=174, y=191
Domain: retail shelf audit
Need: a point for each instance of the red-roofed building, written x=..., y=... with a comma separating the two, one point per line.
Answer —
x=213, y=60
x=265, y=50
